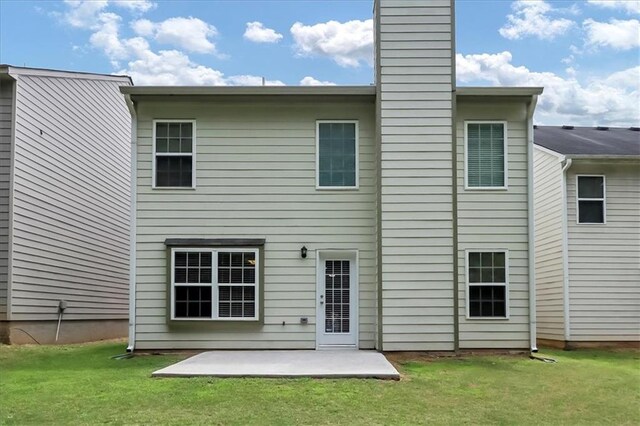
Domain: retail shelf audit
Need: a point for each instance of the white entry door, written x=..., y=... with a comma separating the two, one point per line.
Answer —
x=337, y=300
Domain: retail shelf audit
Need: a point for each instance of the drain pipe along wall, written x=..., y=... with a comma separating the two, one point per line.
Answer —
x=532, y=273
x=132, y=224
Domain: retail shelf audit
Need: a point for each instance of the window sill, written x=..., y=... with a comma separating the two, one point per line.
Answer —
x=174, y=188
x=337, y=188
x=487, y=318
x=485, y=188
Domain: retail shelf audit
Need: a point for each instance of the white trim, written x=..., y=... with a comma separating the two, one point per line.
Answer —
x=154, y=154
x=214, y=282
x=506, y=283
x=531, y=246
x=506, y=157
x=549, y=151
x=603, y=199
x=132, y=224
x=338, y=188
x=354, y=299
x=566, y=307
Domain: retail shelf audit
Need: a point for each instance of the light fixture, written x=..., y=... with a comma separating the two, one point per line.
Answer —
x=303, y=252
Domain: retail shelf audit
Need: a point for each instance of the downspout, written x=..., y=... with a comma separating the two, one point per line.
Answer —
x=532, y=272
x=132, y=224
x=565, y=253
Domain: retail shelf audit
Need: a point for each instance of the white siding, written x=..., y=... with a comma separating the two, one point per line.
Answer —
x=71, y=199
x=6, y=106
x=256, y=179
x=604, y=260
x=414, y=69
x=496, y=219
x=549, y=211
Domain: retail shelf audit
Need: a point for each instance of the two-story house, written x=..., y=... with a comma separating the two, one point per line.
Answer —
x=64, y=206
x=587, y=211
x=396, y=216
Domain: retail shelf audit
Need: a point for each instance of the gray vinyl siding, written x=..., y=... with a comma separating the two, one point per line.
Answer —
x=6, y=107
x=549, y=252
x=256, y=179
x=414, y=69
x=491, y=220
x=604, y=260
x=71, y=199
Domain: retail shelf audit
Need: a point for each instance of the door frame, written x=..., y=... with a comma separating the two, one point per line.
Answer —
x=354, y=295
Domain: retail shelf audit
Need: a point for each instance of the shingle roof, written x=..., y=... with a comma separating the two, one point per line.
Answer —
x=589, y=141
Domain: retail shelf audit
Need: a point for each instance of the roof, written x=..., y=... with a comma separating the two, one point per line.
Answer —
x=498, y=91
x=45, y=72
x=249, y=90
x=576, y=142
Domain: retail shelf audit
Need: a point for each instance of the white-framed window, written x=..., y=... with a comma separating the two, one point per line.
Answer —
x=487, y=284
x=591, y=199
x=174, y=154
x=337, y=154
x=486, y=155
x=214, y=284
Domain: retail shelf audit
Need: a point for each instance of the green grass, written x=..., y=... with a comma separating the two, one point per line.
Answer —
x=83, y=385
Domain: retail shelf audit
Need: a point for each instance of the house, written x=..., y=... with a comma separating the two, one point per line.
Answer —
x=587, y=220
x=64, y=206
x=393, y=217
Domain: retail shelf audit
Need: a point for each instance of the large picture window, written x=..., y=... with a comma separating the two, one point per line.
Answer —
x=486, y=154
x=214, y=284
x=487, y=277
x=337, y=155
x=591, y=199
x=173, y=157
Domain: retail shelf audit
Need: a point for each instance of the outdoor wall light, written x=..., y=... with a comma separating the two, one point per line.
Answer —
x=303, y=252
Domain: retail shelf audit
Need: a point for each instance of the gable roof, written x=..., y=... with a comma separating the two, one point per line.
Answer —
x=589, y=141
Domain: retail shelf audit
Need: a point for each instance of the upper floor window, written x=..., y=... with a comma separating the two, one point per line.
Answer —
x=174, y=154
x=486, y=155
x=337, y=155
x=591, y=199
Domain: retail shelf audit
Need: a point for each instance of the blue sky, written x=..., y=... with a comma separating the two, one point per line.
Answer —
x=585, y=53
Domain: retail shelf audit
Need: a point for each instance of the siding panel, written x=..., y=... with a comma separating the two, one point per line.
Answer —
x=503, y=226
x=71, y=199
x=6, y=111
x=604, y=260
x=256, y=179
x=549, y=211
x=414, y=69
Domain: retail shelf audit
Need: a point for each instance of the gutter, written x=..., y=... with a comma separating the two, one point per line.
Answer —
x=532, y=272
x=565, y=252
x=132, y=230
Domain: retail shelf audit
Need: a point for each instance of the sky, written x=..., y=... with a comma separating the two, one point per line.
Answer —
x=585, y=53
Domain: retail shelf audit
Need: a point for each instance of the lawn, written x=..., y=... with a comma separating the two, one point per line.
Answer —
x=82, y=384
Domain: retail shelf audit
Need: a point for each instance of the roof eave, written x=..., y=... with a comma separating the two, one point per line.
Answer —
x=249, y=90
x=499, y=91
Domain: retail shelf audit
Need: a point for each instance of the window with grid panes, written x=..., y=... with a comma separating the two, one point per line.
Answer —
x=214, y=284
x=173, y=156
x=487, y=284
x=337, y=155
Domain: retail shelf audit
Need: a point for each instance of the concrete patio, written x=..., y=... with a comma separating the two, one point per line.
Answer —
x=317, y=364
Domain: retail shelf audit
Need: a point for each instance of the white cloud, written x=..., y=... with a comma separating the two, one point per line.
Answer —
x=257, y=33
x=621, y=35
x=191, y=34
x=251, y=80
x=84, y=13
x=135, y=5
x=348, y=43
x=310, y=81
x=613, y=100
x=629, y=6
x=530, y=19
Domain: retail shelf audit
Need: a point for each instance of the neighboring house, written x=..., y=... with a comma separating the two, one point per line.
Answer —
x=64, y=205
x=587, y=213
x=396, y=216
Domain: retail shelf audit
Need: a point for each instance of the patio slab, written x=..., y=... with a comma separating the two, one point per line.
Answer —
x=317, y=364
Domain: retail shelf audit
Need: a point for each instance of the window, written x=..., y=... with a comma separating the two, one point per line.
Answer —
x=486, y=154
x=214, y=284
x=174, y=159
x=337, y=155
x=591, y=199
x=487, y=284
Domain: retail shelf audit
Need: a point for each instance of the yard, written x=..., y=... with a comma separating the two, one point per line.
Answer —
x=82, y=384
